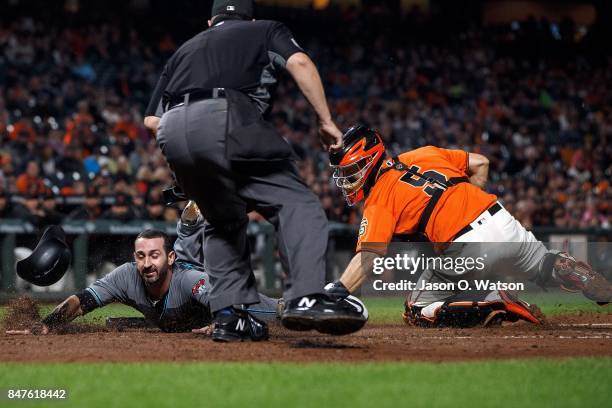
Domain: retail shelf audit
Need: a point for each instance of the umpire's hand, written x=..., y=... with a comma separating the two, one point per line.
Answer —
x=331, y=136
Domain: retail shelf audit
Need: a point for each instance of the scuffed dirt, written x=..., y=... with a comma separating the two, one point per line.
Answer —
x=565, y=336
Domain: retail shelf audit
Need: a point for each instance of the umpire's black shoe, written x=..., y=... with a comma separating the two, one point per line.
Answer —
x=239, y=326
x=325, y=314
x=336, y=290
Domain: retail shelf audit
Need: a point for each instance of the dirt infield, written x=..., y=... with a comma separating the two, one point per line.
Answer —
x=567, y=336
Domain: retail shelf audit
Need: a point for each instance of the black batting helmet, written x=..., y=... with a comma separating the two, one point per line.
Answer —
x=49, y=261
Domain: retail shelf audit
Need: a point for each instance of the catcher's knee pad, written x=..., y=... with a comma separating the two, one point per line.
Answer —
x=502, y=307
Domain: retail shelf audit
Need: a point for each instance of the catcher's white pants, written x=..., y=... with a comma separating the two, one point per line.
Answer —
x=505, y=247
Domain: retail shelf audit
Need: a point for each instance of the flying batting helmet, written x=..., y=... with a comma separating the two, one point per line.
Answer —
x=356, y=165
x=49, y=261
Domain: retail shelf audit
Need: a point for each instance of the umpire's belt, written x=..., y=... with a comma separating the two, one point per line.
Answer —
x=492, y=210
x=170, y=102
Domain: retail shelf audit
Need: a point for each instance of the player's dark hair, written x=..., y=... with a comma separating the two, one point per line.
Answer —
x=154, y=233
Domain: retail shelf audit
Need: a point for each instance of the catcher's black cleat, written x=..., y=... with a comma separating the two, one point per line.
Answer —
x=239, y=326
x=325, y=314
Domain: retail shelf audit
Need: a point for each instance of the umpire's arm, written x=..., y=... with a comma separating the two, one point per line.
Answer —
x=305, y=74
x=154, y=109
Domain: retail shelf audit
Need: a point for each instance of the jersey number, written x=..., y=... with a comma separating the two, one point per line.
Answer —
x=419, y=182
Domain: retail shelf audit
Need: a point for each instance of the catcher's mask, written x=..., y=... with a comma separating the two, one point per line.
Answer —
x=356, y=165
x=49, y=261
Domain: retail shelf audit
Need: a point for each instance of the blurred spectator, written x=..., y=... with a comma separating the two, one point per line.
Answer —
x=6, y=207
x=29, y=210
x=48, y=210
x=121, y=209
x=91, y=208
x=30, y=181
x=72, y=97
x=71, y=163
x=155, y=207
x=171, y=215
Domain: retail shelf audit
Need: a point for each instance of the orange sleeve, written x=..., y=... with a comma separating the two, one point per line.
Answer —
x=458, y=158
x=376, y=229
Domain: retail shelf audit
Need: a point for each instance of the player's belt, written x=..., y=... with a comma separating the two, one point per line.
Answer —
x=170, y=102
x=492, y=211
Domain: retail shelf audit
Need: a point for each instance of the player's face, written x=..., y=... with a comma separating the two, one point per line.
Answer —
x=151, y=259
x=352, y=177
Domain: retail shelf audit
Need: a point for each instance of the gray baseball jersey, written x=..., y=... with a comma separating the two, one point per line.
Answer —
x=186, y=304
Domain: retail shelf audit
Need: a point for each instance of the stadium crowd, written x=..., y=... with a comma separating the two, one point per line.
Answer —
x=72, y=144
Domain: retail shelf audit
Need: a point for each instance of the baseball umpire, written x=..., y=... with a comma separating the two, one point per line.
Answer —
x=212, y=97
x=167, y=285
x=435, y=195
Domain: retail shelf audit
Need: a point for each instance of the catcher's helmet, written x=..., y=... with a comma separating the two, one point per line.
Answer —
x=49, y=261
x=356, y=165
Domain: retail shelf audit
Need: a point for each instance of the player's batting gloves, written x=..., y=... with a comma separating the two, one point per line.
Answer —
x=576, y=276
x=190, y=214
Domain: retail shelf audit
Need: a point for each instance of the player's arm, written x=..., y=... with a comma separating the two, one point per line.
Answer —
x=110, y=288
x=357, y=270
x=478, y=169
x=190, y=231
x=65, y=312
x=375, y=233
x=196, y=283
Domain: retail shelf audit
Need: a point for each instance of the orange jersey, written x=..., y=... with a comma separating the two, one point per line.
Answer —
x=397, y=199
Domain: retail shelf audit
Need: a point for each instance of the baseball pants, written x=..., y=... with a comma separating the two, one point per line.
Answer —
x=510, y=250
x=192, y=138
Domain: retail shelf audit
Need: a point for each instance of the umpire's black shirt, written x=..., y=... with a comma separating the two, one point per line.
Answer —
x=235, y=54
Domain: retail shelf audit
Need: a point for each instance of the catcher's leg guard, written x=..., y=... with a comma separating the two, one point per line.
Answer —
x=519, y=309
x=497, y=307
x=574, y=276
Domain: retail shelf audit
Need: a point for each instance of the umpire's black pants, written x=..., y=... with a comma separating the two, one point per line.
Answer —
x=192, y=137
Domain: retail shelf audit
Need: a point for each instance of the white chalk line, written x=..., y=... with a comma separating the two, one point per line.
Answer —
x=516, y=337
x=599, y=336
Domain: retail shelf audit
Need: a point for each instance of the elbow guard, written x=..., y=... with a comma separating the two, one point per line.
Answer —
x=87, y=300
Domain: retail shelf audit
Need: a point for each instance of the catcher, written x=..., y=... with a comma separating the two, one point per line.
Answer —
x=436, y=195
x=167, y=285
